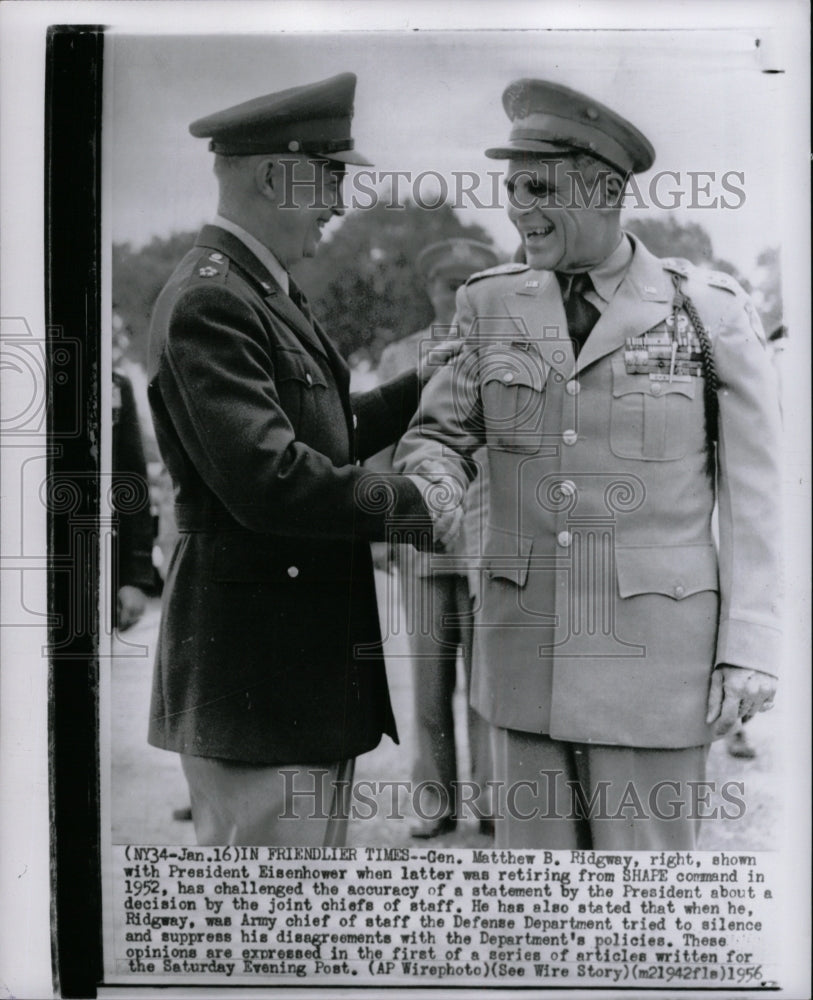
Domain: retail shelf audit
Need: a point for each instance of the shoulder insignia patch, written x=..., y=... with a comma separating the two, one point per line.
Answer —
x=678, y=265
x=211, y=265
x=719, y=279
x=500, y=269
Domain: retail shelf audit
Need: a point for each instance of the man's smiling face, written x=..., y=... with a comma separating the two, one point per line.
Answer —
x=559, y=214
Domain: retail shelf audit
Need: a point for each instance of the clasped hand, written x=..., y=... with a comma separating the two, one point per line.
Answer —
x=443, y=495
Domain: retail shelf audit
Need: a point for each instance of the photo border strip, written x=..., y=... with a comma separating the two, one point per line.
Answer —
x=73, y=126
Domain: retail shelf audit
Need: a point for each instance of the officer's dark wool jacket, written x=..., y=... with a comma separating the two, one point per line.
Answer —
x=269, y=649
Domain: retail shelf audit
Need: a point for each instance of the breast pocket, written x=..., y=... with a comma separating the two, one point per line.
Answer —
x=513, y=393
x=653, y=420
x=300, y=384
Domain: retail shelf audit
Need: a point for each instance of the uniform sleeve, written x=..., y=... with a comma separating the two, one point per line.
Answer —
x=384, y=413
x=749, y=492
x=217, y=385
x=448, y=426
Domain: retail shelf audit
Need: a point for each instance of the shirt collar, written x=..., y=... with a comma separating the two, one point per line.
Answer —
x=609, y=274
x=261, y=252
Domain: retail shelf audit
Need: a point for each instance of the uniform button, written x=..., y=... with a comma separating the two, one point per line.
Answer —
x=293, y=571
x=573, y=388
x=355, y=421
x=567, y=488
x=679, y=590
x=309, y=378
x=656, y=389
x=508, y=377
x=570, y=437
x=564, y=538
x=358, y=461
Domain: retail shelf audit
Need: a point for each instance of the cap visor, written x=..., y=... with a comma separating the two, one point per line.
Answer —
x=537, y=146
x=350, y=156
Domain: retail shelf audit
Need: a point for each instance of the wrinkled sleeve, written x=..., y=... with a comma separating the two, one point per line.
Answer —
x=448, y=425
x=749, y=493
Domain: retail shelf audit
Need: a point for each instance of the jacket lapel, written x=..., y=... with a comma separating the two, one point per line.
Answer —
x=213, y=237
x=538, y=314
x=642, y=301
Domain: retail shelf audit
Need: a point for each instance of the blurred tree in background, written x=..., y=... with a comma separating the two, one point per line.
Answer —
x=138, y=277
x=363, y=284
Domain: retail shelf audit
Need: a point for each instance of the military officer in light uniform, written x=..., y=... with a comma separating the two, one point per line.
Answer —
x=620, y=397
x=435, y=589
x=269, y=676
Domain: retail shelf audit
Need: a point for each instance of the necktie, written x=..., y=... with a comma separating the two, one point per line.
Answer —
x=298, y=299
x=581, y=314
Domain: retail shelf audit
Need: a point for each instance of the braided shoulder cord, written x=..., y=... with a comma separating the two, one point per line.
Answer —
x=711, y=382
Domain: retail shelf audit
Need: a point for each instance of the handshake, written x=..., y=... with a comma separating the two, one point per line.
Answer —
x=443, y=493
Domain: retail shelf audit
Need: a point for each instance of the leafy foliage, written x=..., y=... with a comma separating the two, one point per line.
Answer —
x=363, y=285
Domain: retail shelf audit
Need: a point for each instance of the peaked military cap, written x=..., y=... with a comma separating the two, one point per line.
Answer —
x=313, y=119
x=455, y=258
x=549, y=119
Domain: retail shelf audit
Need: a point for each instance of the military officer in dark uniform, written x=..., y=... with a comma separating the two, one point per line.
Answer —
x=620, y=397
x=269, y=676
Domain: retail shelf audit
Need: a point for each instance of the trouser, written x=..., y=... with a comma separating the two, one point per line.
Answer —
x=274, y=806
x=439, y=620
x=559, y=795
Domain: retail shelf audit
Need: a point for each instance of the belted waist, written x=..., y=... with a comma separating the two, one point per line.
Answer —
x=188, y=518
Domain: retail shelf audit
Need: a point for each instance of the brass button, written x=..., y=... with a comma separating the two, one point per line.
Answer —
x=564, y=538
x=293, y=571
x=567, y=488
x=657, y=389
x=355, y=421
x=309, y=378
x=508, y=377
x=573, y=388
x=570, y=437
x=679, y=590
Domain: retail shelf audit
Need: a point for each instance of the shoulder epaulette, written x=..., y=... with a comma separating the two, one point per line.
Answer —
x=719, y=279
x=499, y=269
x=212, y=266
x=678, y=265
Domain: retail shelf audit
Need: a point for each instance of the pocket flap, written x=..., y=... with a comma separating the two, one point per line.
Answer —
x=514, y=364
x=298, y=367
x=677, y=571
x=508, y=555
x=625, y=383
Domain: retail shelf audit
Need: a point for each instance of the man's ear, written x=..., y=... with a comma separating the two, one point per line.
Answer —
x=266, y=179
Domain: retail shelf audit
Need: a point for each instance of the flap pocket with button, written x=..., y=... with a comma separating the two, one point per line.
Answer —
x=513, y=378
x=677, y=571
x=653, y=419
x=298, y=367
x=507, y=555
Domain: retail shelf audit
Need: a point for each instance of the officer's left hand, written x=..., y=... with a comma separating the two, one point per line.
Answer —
x=132, y=602
x=435, y=356
x=738, y=693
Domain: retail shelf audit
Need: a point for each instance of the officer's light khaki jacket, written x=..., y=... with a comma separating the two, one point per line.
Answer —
x=605, y=603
